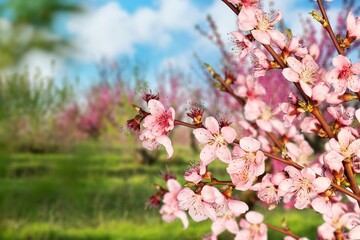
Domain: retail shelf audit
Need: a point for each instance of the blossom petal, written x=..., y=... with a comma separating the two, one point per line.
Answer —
x=355, y=68
x=254, y=217
x=228, y=133
x=302, y=199
x=355, y=232
x=212, y=125
x=340, y=62
x=237, y=207
x=295, y=64
x=306, y=88
x=207, y=154
x=217, y=227
x=203, y=135
x=321, y=184
x=232, y=226
x=262, y=36
x=166, y=142
x=308, y=173
x=173, y=185
x=290, y=75
x=183, y=217
x=223, y=153
x=156, y=107
x=354, y=83
x=249, y=144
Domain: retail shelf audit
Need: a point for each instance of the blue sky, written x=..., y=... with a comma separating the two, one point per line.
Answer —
x=157, y=33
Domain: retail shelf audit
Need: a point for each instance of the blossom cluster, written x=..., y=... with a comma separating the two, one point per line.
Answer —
x=265, y=151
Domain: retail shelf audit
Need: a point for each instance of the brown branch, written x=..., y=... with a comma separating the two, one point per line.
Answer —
x=329, y=29
x=276, y=141
x=347, y=166
x=317, y=114
x=351, y=177
x=189, y=125
x=283, y=231
x=232, y=7
x=286, y=161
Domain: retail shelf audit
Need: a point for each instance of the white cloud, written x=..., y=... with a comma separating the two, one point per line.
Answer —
x=36, y=61
x=110, y=30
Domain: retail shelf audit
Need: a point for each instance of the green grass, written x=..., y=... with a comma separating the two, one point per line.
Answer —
x=100, y=193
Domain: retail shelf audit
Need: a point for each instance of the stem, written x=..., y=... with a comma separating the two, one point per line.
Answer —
x=280, y=159
x=316, y=113
x=276, y=141
x=189, y=125
x=232, y=7
x=228, y=89
x=283, y=231
x=328, y=28
x=351, y=178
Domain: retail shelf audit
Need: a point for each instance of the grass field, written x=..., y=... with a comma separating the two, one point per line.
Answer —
x=97, y=192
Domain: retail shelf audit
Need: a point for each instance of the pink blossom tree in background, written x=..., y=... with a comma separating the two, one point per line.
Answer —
x=303, y=151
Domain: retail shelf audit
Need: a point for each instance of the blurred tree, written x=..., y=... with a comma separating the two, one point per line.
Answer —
x=28, y=25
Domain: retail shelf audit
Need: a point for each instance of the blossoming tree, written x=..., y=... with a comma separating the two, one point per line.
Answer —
x=270, y=136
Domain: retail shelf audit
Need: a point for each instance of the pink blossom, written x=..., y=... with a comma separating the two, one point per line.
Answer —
x=290, y=110
x=354, y=233
x=314, y=51
x=157, y=125
x=242, y=44
x=353, y=26
x=247, y=16
x=322, y=204
x=193, y=174
x=216, y=142
x=346, y=145
x=228, y=211
x=264, y=26
x=304, y=72
x=260, y=62
x=342, y=217
x=199, y=210
x=300, y=154
x=293, y=46
x=252, y=227
x=262, y=114
x=302, y=186
x=170, y=210
x=249, y=88
x=151, y=142
x=267, y=189
x=309, y=125
x=248, y=163
x=344, y=75
x=343, y=116
x=160, y=121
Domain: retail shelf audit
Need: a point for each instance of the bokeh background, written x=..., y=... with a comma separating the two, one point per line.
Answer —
x=70, y=71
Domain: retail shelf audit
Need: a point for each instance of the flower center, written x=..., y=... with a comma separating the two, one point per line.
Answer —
x=266, y=114
x=163, y=119
x=345, y=73
x=263, y=22
x=219, y=140
x=307, y=76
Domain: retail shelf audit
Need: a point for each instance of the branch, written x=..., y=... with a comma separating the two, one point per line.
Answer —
x=283, y=160
x=282, y=230
x=232, y=7
x=328, y=28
